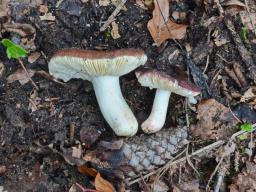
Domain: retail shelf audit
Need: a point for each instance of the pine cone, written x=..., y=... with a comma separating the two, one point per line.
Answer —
x=145, y=152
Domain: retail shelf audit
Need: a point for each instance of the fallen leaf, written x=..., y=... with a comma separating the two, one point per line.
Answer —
x=114, y=32
x=103, y=185
x=104, y=2
x=34, y=101
x=4, y=8
x=22, y=29
x=160, y=186
x=245, y=181
x=141, y=4
x=161, y=27
x=43, y=9
x=33, y=57
x=215, y=120
x=47, y=17
x=21, y=76
x=250, y=97
x=87, y=171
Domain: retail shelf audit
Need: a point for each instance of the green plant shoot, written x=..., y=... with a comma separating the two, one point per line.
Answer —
x=246, y=127
x=13, y=50
x=245, y=34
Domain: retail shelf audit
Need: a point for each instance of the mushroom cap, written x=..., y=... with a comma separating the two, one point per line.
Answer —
x=160, y=80
x=85, y=64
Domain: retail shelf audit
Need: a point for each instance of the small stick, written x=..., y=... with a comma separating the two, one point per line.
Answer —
x=171, y=162
x=24, y=68
x=113, y=15
x=72, y=127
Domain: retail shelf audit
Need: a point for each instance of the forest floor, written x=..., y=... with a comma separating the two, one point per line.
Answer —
x=48, y=135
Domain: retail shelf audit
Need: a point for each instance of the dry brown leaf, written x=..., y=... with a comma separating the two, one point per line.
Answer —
x=245, y=181
x=4, y=8
x=33, y=57
x=141, y=4
x=21, y=76
x=103, y=185
x=43, y=9
x=114, y=32
x=87, y=171
x=104, y=2
x=215, y=120
x=250, y=97
x=22, y=29
x=161, y=27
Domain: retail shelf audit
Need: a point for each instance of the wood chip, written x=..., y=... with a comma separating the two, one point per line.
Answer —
x=47, y=17
x=114, y=32
x=33, y=57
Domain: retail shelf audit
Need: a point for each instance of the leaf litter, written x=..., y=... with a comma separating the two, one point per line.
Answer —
x=161, y=27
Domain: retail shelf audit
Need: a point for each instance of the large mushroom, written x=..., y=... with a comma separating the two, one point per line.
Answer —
x=103, y=69
x=165, y=85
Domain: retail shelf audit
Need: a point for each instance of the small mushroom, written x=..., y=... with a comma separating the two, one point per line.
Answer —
x=165, y=85
x=103, y=69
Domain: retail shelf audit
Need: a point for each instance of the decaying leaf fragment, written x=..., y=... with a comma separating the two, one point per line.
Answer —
x=4, y=8
x=215, y=120
x=161, y=27
x=245, y=181
x=103, y=185
x=21, y=76
x=114, y=32
x=250, y=97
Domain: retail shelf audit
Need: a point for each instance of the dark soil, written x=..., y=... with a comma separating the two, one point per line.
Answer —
x=29, y=168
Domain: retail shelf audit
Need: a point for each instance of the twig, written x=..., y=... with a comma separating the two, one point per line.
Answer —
x=113, y=15
x=171, y=162
x=207, y=63
x=224, y=154
x=245, y=55
x=24, y=68
x=250, y=17
x=190, y=163
x=221, y=11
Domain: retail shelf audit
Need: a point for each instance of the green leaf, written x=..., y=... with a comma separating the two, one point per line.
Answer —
x=13, y=50
x=245, y=34
x=246, y=127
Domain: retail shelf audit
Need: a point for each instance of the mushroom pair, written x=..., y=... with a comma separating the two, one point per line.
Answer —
x=103, y=69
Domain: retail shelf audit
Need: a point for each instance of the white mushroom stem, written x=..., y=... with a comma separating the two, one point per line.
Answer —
x=113, y=105
x=157, y=117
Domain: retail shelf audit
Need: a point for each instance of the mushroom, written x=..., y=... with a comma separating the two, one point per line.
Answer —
x=165, y=85
x=103, y=69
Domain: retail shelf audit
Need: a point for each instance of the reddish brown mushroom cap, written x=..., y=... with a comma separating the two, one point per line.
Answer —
x=85, y=64
x=160, y=80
